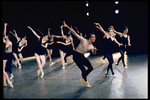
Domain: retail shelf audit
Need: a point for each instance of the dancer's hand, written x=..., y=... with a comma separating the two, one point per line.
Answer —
x=120, y=44
x=129, y=44
x=29, y=27
x=5, y=24
x=65, y=25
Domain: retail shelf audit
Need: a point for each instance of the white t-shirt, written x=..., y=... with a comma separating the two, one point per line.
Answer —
x=8, y=49
x=83, y=47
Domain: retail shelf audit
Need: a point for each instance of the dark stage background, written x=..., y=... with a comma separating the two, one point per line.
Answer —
x=44, y=14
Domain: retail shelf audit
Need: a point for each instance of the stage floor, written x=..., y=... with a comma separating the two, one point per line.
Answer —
x=65, y=84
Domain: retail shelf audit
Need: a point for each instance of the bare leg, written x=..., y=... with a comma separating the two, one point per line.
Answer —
x=20, y=56
x=39, y=64
x=62, y=58
x=5, y=76
x=15, y=55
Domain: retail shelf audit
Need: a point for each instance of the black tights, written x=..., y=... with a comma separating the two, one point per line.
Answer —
x=110, y=60
x=122, y=57
x=8, y=63
x=80, y=60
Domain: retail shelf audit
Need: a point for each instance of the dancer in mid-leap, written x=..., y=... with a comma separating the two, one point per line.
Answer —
x=108, y=47
x=84, y=46
x=40, y=51
x=125, y=40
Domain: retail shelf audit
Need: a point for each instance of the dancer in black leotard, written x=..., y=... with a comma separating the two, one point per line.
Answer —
x=125, y=40
x=84, y=46
x=40, y=51
x=17, y=48
x=65, y=47
x=5, y=58
x=50, y=44
x=108, y=47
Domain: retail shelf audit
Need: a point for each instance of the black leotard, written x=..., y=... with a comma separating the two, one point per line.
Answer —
x=39, y=49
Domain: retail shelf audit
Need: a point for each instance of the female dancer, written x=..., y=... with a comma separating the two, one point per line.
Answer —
x=50, y=44
x=5, y=59
x=40, y=51
x=108, y=47
x=67, y=46
x=84, y=46
x=125, y=40
x=17, y=48
x=62, y=48
x=8, y=50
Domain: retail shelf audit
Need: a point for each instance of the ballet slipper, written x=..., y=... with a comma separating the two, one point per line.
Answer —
x=10, y=84
x=38, y=72
x=42, y=75
x=4, y=84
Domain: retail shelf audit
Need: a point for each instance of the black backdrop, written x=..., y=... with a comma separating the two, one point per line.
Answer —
x=44, y=14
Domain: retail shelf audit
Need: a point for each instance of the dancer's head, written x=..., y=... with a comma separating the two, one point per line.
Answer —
x=91, y=37
x=69, y=33
x=24, y=38
x=111, y=32
x=45, y=37
x=125, y=30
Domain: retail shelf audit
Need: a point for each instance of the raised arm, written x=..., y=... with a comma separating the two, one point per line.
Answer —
x=40, y=31
x=71, y=29
x=62, y=32
x=101, y=29
x=18, y=38
x=49, y=32
x=34, y=32
x=119, y=33
x=77, y=30
x=5, y=28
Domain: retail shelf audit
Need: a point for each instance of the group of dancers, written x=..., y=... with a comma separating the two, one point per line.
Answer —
x=47, y=42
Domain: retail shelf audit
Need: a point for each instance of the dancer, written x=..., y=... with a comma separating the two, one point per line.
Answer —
x=50, y=44
x=84, y=46
x=61, y=47
x=40, y=51
x=17, y=48
x=8, y=50
x=108, y=47
x=125, y=40
x=5, y=59
x=67, y=46
x=110, y=28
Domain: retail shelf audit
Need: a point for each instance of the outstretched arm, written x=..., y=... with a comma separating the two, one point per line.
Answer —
x=34, y=32
x=71, y=29
x=40, y=31
x=101, y=29
x=119, y=33
x=119, y=44
x=77, y=30
x=18, y=38
x=5, y=26
x=49, y=32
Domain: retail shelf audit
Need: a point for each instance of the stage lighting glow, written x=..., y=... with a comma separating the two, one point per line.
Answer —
x=116, y=11
x=87, y=13
x=87, y=4
x=116, y=2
